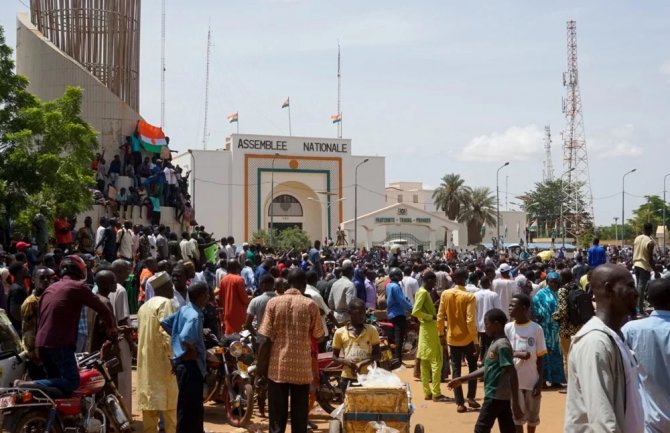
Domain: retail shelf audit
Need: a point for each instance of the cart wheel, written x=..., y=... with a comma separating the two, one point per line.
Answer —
x=335, y=427
x=418, y=428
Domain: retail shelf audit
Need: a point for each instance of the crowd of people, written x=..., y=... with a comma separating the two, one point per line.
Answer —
x=578, y=325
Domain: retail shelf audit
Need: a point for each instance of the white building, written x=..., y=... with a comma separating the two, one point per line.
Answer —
x=310, y=180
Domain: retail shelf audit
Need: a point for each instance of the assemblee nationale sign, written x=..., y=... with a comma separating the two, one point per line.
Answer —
x=285, y=145
x=401, y=220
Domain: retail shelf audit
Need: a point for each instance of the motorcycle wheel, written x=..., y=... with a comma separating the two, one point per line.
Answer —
x=34, y=422
x=240, y=414
x=329, y=395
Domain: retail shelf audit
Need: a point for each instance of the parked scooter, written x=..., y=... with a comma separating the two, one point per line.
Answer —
x=96, y=406
x=227, y=379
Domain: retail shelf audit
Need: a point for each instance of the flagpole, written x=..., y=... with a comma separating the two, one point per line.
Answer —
x=289, y=119
x=238, y=124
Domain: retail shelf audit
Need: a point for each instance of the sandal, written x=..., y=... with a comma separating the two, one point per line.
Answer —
x=461, y=408
x=473, y=404
x=442, y=398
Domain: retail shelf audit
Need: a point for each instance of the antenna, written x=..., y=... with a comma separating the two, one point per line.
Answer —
x=205, y=132
x=163, y=67
x=548, y=171
x=339, y=90
x=575, y=157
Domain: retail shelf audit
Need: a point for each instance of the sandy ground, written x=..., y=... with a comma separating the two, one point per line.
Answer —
x=435, y=417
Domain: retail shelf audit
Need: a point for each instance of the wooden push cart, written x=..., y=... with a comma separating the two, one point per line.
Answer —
x=363, y=405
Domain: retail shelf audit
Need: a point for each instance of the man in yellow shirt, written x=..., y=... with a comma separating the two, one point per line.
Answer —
x=458, y=310
x=355, y=345
x=643, y=263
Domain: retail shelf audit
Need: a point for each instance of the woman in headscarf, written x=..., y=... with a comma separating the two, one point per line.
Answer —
x=545, y=303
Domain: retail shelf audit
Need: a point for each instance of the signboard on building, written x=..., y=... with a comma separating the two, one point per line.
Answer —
x=288, y=145
x=402, y=220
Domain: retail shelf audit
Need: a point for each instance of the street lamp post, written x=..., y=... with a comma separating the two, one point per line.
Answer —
x=664, y=206
x=623, y=201
x=616, y=229
x=272, y=198
x=326, y=210
x=498, y=204
x=356, y=201
x=562, y=199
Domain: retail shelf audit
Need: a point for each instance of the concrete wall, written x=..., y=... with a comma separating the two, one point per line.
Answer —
x=50, y=71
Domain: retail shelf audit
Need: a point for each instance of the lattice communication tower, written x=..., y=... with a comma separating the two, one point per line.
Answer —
x=548, y=169
x=576, y=213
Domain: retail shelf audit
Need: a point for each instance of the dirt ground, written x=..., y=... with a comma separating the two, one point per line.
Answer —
x=432, y=415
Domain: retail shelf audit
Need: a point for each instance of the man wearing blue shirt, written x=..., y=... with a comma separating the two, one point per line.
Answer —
x=597, y=255
x=649, y=340
x=397, y=307
x=188, y=358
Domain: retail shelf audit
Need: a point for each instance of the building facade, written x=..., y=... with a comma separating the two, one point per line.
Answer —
x=256, y=182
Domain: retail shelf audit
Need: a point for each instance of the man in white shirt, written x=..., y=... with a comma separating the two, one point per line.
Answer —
x=313, y=293
x=505, y=287
x=186, y=247
x=230, y=248
x=486, y=300
x=527, y=340
x=98, y=235
x=119, y=299
x=409, y=285
x=124, y=240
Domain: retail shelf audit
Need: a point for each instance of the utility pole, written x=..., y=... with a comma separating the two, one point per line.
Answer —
x=498, y=206
x=616, y=229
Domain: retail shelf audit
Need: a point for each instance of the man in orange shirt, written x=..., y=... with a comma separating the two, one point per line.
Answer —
x=458, y=309
x=233, y=299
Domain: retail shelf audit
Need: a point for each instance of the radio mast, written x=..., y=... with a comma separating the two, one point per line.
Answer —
x=577, y=189
x=548, y=171
x=205, y=132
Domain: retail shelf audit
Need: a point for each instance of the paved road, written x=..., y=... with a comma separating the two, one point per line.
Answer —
x=436, y=417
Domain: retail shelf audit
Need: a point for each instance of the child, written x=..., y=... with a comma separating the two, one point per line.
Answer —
x=500, y=379
x=527, y=340
x=358, y=342
x=188, y=357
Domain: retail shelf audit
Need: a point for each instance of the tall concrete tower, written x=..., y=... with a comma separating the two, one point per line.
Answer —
x=548, y=169
x=92, y=44
x=577, y=197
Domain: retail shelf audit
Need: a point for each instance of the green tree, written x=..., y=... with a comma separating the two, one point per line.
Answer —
x=649, y=212
x=479, y=208
x=291, y=238
x=450, y=195
x=543, y=205
x=46, y=150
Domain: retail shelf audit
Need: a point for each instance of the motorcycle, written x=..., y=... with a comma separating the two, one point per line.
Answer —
x=227, y=379
x=95, y=406
x=329, y=393
x=386, y=330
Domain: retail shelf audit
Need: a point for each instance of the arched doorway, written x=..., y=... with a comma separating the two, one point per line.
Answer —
x=285, y=211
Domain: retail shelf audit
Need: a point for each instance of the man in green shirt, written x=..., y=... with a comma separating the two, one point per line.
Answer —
x=500, y=380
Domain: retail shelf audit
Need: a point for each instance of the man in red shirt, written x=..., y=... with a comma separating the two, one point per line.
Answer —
x=233, y=298
x=59, y=312
x=63, y=234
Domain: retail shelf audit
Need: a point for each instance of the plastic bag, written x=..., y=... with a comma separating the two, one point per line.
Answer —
x=338, y=413
x=379, y=378
x=380, y=427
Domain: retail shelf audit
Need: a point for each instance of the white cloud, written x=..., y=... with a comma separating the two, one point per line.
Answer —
x=516, y=143
x=617, y=143
x=665, y=68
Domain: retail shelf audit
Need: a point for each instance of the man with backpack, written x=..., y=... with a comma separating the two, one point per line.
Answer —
x=574, y=309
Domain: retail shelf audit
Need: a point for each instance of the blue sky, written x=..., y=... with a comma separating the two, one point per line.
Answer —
x=435, y=86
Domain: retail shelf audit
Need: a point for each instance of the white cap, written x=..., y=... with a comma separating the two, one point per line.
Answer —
x=504, y=268
x=159, y=279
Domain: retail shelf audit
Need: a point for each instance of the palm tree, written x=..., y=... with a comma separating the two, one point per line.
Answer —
x=479, y=208
x=450, y=195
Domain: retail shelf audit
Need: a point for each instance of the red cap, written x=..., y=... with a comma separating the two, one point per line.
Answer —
x=22, y=245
